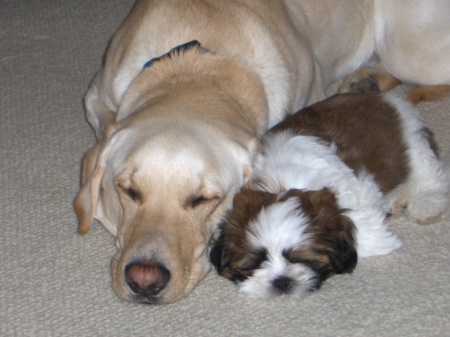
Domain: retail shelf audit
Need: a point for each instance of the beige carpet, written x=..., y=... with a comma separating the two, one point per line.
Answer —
x=56, y=283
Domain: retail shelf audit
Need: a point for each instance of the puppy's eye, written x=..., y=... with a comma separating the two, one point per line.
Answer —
x=254, y=260
x=291, y=258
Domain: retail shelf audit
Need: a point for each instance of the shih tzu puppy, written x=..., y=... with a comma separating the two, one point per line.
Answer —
x=323, y=185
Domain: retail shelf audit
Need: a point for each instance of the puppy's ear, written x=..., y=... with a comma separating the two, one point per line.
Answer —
x=334, y=231
x=93, y=167
x=343, y=256
x=218, y=254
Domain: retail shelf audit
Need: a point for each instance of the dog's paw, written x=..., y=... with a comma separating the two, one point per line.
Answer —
x=369, y=80
x=363, y=85
x=428, y=93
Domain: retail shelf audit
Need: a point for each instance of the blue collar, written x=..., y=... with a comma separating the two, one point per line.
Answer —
x=176, y=51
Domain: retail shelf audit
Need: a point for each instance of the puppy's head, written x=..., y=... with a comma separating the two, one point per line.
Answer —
x=284, y=244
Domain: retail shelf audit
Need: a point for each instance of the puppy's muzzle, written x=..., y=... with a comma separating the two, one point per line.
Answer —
x=146, y=279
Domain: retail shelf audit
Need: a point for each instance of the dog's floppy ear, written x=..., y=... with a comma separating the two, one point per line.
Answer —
x=334, y=231
x=93, y=167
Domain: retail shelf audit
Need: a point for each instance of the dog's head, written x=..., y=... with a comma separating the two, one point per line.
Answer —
x=162, y=197
x=284, y=244
x=163, y=177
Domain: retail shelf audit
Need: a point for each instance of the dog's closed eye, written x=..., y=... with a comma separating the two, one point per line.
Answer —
x=134, y=194
x=201, y=200
x=131, y=192
x=197, y=201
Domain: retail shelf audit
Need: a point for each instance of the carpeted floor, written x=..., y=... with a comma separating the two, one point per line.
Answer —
x=56, y=283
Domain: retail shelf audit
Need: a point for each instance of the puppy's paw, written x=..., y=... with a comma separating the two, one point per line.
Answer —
x=427, y=208
x=430, y=221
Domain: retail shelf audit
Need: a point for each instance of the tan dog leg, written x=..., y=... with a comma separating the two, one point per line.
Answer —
x=376, y=79
x=428, y=93
x=369, y=79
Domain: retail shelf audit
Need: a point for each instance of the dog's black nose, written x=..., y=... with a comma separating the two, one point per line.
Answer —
x=146, y=278
x=282, y=284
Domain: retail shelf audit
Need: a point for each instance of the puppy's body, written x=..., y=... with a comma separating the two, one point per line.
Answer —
x=322, y=187
x=179, y=121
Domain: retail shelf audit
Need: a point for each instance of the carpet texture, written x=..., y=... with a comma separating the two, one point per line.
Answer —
x=57, y=283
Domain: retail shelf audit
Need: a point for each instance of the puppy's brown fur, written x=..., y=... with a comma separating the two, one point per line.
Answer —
x=364, y=146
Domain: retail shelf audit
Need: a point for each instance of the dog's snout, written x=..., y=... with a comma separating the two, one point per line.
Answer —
x=146, y=278
x=282, y=284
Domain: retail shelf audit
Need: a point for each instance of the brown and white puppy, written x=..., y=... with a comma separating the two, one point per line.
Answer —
x=324, y=183
x=186, y=90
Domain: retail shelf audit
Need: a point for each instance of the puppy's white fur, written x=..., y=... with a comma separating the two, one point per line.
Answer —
x=308, y=163
x=426, y=191
x=289, y=233
x=305, y=162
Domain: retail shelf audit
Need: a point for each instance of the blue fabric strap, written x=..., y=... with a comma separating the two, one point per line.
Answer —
x=176, y=51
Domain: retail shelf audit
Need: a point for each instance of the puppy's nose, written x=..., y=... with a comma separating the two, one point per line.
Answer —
x=282, y=283
x=146, y=278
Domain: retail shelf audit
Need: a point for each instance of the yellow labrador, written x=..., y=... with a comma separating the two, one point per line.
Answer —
x=188, y=87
